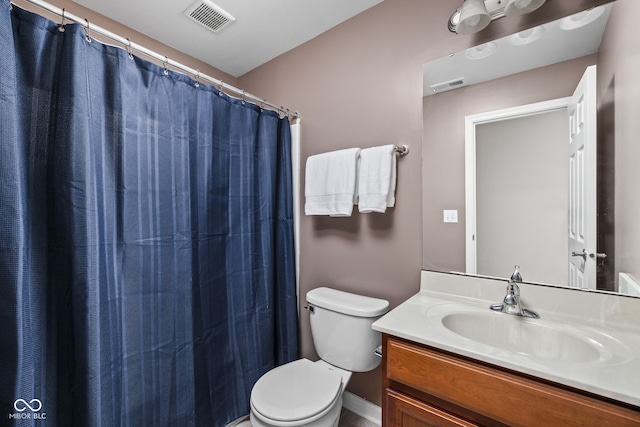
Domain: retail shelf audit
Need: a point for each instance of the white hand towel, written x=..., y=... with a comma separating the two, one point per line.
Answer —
x=331, y=183
x=377, y=180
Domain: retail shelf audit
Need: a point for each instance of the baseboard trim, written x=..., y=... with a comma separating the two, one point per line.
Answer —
x=362, y=407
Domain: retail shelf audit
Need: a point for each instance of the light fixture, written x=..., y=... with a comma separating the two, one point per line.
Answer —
x=521, y=7
x=473, y=17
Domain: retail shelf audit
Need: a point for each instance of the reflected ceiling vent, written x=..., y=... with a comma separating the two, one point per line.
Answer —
x=445, y=86
x=208, y=14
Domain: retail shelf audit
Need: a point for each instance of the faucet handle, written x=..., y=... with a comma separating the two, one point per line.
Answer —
x=516, y=277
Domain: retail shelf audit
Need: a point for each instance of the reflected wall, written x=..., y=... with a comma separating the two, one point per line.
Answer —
x=443, y=169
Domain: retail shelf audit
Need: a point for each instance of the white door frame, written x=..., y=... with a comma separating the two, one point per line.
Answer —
x=470, y=123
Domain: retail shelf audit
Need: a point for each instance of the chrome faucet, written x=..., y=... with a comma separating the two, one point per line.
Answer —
x=511, y=303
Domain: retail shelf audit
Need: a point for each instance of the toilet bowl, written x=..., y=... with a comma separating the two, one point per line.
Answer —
x=309, y=394
x=299, y=393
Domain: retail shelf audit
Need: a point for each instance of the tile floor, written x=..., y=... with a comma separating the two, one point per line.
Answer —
x=347, y=419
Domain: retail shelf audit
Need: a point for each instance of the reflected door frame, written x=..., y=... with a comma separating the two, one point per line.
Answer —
x=471, y=122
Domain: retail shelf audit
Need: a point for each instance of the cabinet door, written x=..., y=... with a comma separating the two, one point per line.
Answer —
x=404, y=411
x=502, y=396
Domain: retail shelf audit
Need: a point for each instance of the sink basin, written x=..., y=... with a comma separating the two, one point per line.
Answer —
x=525, y=336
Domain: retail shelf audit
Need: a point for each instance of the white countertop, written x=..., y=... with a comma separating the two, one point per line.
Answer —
x=615, y=374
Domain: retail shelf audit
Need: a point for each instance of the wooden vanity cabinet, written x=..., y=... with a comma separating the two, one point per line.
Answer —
x=424, y=386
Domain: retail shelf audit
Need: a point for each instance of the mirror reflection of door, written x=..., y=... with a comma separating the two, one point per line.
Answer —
x=534, y=193
x=582, y=183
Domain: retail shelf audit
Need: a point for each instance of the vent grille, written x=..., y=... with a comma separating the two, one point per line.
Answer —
x=209, y=15
x=445, y=86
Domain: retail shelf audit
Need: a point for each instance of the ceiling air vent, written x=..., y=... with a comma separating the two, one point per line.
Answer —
x=208, y=14
x=445, y=86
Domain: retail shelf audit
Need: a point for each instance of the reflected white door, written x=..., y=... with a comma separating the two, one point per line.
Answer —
x=582, y=183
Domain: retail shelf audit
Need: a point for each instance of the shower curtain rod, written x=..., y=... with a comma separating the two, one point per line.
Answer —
x=129, y=45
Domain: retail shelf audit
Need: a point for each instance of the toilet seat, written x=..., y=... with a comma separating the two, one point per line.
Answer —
x=299, y=390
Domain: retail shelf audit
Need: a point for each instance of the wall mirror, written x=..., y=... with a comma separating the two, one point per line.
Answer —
x=513, y=98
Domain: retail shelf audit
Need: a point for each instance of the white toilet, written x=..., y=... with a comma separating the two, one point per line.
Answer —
x=306, y=393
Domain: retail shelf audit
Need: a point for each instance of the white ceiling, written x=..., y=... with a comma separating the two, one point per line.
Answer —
x=262, y=30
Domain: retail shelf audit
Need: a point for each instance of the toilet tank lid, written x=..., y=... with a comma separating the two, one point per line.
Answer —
x=347, y=303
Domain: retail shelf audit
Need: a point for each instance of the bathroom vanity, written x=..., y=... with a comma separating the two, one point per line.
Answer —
x=448, y=360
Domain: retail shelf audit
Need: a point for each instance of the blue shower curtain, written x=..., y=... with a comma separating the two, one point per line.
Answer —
x=147, y=270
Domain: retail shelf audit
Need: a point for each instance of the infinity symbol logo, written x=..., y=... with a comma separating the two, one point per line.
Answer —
x=21, y=405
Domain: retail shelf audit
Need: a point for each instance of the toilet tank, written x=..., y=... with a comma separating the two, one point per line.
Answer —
x=341, y=328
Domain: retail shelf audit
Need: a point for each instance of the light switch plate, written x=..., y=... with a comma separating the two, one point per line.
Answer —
x=450, y=215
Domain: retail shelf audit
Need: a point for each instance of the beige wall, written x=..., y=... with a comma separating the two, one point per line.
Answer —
x=360, y=84
x=620, y=51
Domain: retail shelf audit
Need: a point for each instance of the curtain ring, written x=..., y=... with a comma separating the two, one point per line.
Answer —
x=61, y=26
x=220, y=88
x=166, y=65
x=87, y=31
x=243, y=100
x=128, y=47
x=197, y=84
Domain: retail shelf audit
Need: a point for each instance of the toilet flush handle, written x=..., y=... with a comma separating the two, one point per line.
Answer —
x=311, y=308
x=378, y=351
